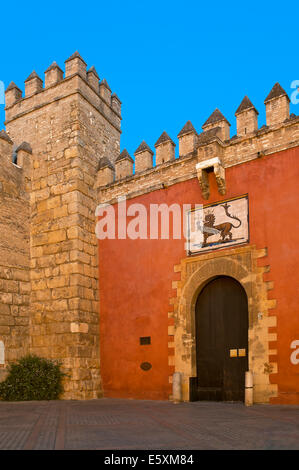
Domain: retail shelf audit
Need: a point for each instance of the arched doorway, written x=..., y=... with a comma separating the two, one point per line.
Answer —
x=221, y=323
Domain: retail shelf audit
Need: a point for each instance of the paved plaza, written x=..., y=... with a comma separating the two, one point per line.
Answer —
x=141, y=424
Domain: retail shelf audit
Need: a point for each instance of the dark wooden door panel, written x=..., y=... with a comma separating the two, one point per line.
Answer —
x=221, y=325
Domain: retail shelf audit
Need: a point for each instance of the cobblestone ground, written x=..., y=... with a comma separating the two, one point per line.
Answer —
x=131, y=424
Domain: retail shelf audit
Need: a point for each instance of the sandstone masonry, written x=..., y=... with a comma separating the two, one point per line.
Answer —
x=70, y=124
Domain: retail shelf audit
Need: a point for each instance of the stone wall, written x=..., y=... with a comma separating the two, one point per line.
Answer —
x=69, y=126
x=14, y=256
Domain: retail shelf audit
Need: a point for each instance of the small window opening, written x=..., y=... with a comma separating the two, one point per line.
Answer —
x=145, y=340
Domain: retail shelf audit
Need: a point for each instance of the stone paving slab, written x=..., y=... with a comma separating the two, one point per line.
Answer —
x=141, y=424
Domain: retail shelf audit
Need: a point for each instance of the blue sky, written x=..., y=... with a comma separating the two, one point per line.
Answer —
x=168, y=61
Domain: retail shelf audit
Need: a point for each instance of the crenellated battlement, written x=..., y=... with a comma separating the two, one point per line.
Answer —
x=58, y=85
x=16, y=165
x=22, y=155
x=214, y=142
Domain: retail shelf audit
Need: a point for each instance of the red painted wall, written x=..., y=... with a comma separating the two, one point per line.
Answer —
x=136, y=277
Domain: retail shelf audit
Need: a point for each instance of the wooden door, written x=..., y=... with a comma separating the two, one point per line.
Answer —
x=221, y=340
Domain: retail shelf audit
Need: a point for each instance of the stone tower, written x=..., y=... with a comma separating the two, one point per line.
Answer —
x=71, y=122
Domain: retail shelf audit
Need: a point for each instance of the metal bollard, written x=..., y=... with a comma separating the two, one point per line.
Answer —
x=248, y=388
x=177, y=387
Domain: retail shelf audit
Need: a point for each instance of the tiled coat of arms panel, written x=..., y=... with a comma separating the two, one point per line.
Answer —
x=218, y=225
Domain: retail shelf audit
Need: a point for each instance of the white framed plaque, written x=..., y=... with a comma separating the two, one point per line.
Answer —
x=218, y=225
